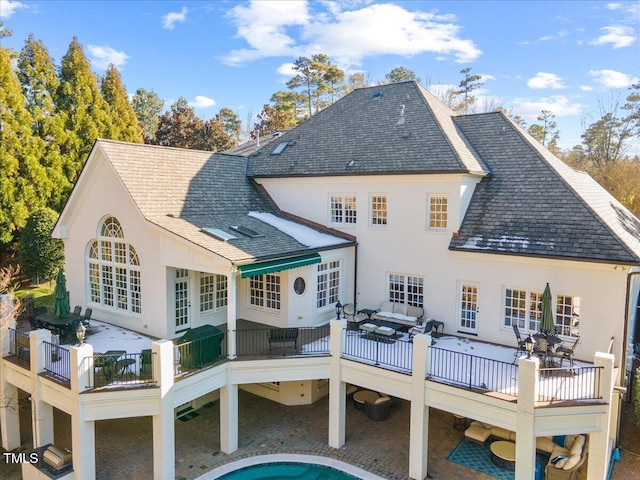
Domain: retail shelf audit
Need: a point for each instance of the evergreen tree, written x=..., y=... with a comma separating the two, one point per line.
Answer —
x=319, y=78
x=123, y=118
x=467, y=85
x=21, y=175
x=231, y=124
x=39, y=81
x=86, y=114
x=401, y=74
x=546, y=132
x=40, y=255
x=148, y=108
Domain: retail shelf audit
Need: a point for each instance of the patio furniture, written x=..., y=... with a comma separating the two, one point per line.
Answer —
x=503, y=454
x=386, y=331
x=123, y=366
x=362, y=396
x=283, y=337
x=428, y=326
x=77, y=310
x=566, y=353
x=399, y=313
x=353, y=318
x=522, y=347
x=87, y=317
x=565, y=463
x=368, y=327
x=378, y=410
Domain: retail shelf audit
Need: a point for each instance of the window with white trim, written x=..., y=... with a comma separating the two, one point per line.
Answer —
x=568, y=315
x=437, y=212
x=407, y=289
x=343, y=209
x=522, y=308
x=378, y=210
x=213, y=292
x=264, y=291
x=114, y=270
x=328, y=292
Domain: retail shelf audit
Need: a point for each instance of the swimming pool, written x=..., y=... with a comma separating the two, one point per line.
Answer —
x=289, y=471
x=288, y=466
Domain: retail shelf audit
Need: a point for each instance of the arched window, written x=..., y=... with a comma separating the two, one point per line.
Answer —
x=114, y=269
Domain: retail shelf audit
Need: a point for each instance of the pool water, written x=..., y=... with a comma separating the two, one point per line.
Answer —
x=287, y=471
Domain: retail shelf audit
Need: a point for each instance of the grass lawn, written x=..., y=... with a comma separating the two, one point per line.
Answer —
x=43, y=294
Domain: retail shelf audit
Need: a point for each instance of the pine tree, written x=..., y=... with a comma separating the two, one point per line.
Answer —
x=39, y=81
x=123, y=118
x=86, y=113
x=467, y=85
x=20, y=171
x=148, y=108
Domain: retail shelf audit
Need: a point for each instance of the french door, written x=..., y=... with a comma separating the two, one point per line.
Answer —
x=468, y=307
x=181, y=295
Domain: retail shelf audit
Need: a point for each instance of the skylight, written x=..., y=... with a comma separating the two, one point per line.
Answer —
x=246, y=231
x=280, y=148
x=218, y=234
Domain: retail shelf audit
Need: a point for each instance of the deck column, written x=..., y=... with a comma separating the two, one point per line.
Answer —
x=599, y=442
x=9, y=417
x=41, y=412
x=229, y=418
x=232, y=286
x=528, y=381
x=337, y=388
x=83, y=438
x=164, y=420
x=419, y=425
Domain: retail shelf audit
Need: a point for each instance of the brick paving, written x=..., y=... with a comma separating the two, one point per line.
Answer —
x=124, y=446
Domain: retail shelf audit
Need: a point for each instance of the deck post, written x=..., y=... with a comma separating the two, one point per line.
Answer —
x=600, y=442
x=528, y=384
x=337, y=387
x=164, y=421
x=232, y=301
x=419, y=425
x=41, y=411
x=229, y=418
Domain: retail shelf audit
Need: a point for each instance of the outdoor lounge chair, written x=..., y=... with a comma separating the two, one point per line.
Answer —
x=379, y=409
x=522, y=344
x=566, y=353
x=431, y=325
x=353, y=319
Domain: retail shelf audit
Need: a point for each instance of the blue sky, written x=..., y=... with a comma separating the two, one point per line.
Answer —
x=562, y=56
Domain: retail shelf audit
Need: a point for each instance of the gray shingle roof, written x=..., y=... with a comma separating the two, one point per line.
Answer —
x=535, y=204
x=184, y=191
x=360, y=134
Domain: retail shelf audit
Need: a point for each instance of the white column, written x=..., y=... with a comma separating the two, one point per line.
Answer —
x=83, y=435
x=229, y=418
x=9, y=415
x=163, y=422
x=528, y=383
x=41, y=412
x=419, y=423
x=231, y=312
x=600, y=442
x=337, y=388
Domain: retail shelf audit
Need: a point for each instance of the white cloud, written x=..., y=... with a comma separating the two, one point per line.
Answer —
x=617, y=36
x=8, y=8
x=559, y=105
x=202, y=102
x=611, y=78
x=348, y=36
x=101, y=57
x=546, y=80
x=286, y=70
x=613, y=6
x=171, y=18
x=586, y=88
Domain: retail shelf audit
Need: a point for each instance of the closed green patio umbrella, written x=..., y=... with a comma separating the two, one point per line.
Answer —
x=61, y=306
x=547, y=323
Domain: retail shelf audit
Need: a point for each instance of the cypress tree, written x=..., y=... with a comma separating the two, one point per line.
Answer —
x=125, y=122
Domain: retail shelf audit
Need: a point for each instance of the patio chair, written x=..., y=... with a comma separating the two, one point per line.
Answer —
x=522, y=344
x=566, y=352
x=428, y=326
x=77, y=310
x=87, y=317
x=379, y=409
x=353, y=318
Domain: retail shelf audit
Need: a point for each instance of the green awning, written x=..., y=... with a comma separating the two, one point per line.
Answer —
x=262, y=268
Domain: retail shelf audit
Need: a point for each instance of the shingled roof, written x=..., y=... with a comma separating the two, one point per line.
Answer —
x=387, y=129
x=185, y=191
x=535, y=204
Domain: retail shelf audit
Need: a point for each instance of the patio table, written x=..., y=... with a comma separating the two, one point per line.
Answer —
x=59, y=325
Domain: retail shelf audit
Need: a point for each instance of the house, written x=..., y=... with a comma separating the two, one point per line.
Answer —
x=386, y=195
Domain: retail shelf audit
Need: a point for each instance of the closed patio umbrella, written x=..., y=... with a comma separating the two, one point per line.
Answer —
x=547, y=323
x=61, y=306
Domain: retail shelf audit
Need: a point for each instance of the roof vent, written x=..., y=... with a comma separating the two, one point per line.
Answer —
x=351, y=163
x=218, y=234
x=376, y=95
x=401, y=119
